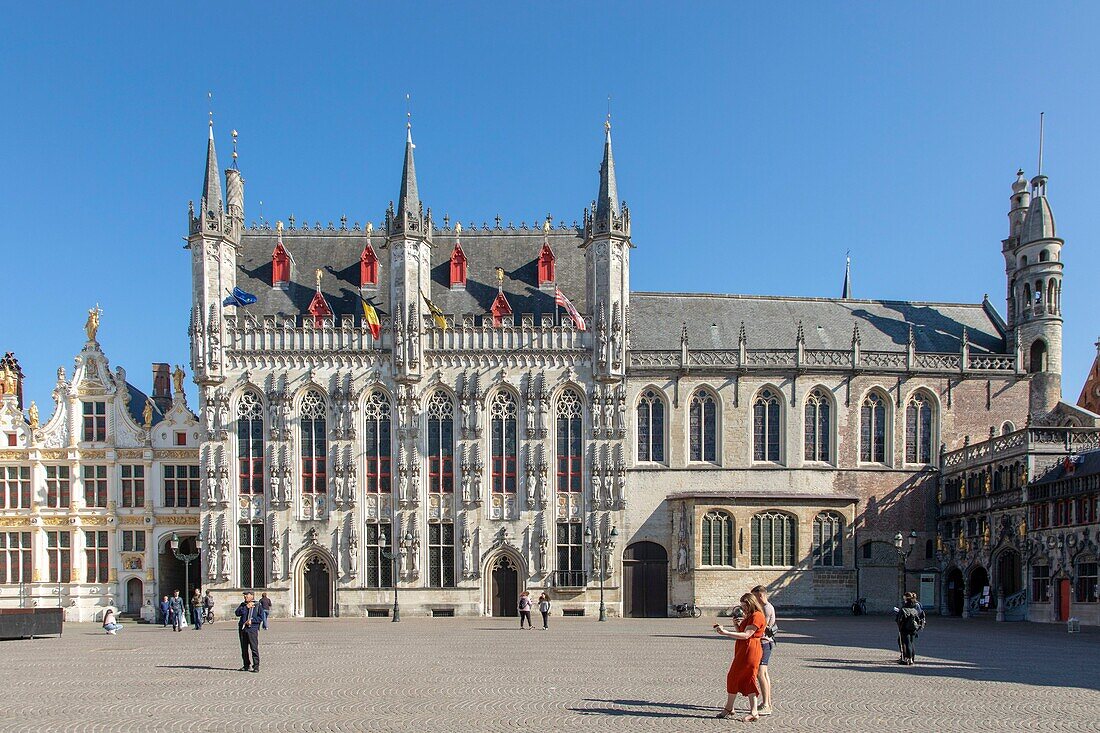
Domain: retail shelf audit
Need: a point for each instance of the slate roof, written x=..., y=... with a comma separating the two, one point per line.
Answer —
x=713, y=322
x=1087, y=464
x=137, y=406
x=337, y=254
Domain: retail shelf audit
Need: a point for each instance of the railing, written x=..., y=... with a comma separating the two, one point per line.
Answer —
x=1020, y=442
x=838, y=359
x=570, y=578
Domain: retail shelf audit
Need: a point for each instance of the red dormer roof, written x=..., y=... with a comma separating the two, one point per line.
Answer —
x=458, y=266
x=368, y=266
x=500, y=308
x=546, y=264
x=280, y=264
x=319, y=309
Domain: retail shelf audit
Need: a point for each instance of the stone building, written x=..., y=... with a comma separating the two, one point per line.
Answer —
x=1090, y=392
x=90, y=498
x=677, y=448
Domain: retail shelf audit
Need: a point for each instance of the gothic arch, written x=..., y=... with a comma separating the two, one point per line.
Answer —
x=656, y=448
x=300, y=393
x=824, y=393
x=298, y=561
x=704, y=390
x=888, y=419
x=374, y=386
x=512, y=553
x=769, y=395
x=239, y=391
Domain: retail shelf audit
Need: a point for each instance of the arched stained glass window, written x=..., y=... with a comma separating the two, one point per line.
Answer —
x=765, y=426
x=703, y=427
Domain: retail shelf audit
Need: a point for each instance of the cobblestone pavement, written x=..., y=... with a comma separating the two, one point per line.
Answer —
x=830, y=674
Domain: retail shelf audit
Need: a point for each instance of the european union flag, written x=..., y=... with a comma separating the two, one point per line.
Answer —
x=239, y=297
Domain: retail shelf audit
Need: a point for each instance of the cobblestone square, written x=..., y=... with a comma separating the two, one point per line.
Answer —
x=830, y=674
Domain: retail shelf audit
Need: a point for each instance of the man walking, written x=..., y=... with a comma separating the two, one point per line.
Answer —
x=767, y=644
x=196, y=609
x=175, y=609
x=265, y=605
x=249, y=618
x=165, y=612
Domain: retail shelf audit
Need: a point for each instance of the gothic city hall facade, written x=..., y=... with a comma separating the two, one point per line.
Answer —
x=452, y=414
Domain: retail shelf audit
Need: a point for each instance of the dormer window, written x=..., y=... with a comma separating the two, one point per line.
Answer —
x=546, y=266
x=280, y=267
x=95, y=422
x=368, y=268
x=458, y=267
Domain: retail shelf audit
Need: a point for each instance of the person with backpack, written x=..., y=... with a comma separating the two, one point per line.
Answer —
x=525, y=608
x=767, y=644
x=908, y=619
x=920, y=615
x=544, y=609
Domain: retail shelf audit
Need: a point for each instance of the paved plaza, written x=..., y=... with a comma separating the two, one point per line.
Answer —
x=831, y=674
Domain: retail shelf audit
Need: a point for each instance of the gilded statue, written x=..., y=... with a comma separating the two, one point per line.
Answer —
x=177, y=378
x=33, y=413
x=147, y=413
x=7, y=381
x=91, y=326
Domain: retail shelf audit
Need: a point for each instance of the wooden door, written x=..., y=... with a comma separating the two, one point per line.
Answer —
x=1063, y=599
x=505, y=588
x=645, y=580
x=133, y=595
x=316, y=589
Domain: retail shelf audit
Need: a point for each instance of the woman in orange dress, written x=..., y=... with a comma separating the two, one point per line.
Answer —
x=741, y=677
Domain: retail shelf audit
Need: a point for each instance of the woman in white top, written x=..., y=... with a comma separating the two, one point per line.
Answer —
x=109, y=624
x=544, y=609
x=768, y=646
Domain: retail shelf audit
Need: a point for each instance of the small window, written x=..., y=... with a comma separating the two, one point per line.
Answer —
x=866, y=550
x=181, y=438
x=1044, y=256
x=11, y=440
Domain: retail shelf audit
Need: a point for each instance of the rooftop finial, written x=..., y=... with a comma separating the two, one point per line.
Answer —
x=210, y=107
x=846, y=291
x=318, y=274
x=408, y=119
x=234, y=134
x=607, y=123
x=1041, y=116
x=500, y=279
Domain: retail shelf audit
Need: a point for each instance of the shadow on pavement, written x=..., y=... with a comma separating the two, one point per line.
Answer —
x=643, y=709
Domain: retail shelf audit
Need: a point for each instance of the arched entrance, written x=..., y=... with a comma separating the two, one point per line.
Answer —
x=954, y=592
x=171, y=575
x=1008, y=572
x=133, y=595
x=645, y=580
x=979, y=581
x=316, y=588
x=504, y=597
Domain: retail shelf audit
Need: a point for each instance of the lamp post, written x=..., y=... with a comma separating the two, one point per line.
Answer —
x=186, y=559
x=602, y=548
x=904, y=549
x=392, y=557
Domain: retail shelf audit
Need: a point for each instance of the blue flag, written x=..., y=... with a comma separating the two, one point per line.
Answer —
x=239, y=297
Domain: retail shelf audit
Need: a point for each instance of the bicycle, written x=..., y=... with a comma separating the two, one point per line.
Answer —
x=685, y=610
x=208, y=615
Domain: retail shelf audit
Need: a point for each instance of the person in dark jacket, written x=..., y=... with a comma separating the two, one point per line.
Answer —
x=165, y=611
x=908, y=619
x=175, y=610
x=249, y=619
x=196, y=609
x=265, y=605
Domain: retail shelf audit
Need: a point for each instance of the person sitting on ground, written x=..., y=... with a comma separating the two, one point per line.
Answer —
x=110, y=625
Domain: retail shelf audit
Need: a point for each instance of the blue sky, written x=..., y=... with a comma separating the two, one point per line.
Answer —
x=754, y=145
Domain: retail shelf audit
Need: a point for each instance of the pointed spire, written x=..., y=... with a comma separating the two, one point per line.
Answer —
x=846, y=291
x=607, y=202
x=408, y=198
x=211, y=200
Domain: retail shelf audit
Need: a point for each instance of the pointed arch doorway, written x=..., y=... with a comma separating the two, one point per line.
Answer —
x=316, y=584
x=504, y=594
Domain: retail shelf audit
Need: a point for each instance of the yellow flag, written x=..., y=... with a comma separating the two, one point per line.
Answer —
x=370, y=315
x=437, y=314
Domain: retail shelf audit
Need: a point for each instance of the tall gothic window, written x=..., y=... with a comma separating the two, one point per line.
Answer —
x=570, y=572
x=376, y=438
x=252, y=567
x=441, y=449
x=95, y=557
x=765, y=426
x=717, y=538
x=314, y=438
x=250, y=444
x=818, y=426
x=569, y=454
x=441, y=555
x=502, y=422
x=379, y=567
x=15, y=489
x=872, y=429
x=651, y=427
x=703, y=424
x=15, y=558
x=772, y=539
x=828, y=536
x=918, y=429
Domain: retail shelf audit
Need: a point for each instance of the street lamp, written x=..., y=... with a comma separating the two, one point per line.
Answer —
x=904, y=551
x=602, y=548
x=392, y=557
x=186, y=559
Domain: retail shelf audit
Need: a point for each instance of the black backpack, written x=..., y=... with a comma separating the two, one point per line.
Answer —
x=910, y=623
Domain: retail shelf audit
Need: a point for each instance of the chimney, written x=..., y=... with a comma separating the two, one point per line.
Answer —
x=162, y=387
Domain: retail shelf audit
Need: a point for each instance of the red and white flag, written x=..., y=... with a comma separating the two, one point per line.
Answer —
x=560, y=299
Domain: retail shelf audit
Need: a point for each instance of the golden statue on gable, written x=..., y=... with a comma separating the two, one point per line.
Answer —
x=177, y=378
x=147, y=413
x=33, y=414
x=91, y=326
